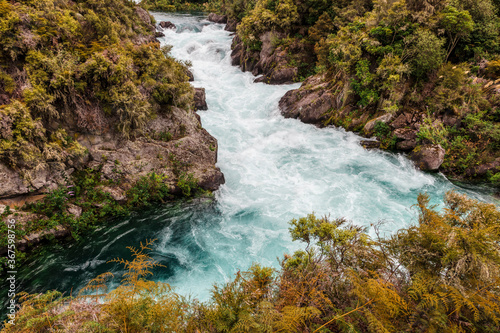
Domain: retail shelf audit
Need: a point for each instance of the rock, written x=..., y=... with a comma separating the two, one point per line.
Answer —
x=370, y=126
x=402, y=120
x=370, y=144
x=190, y=149
x=22, y=218
x=74, y=210
x=19, y=201
x=167, y=25
x=408, y=137
x=159, y=34
x=216, y=18
x=200, y=102
x=231, y=25
x=116, y=193
x=279, y=76
x=405, y=134
x=12, y=183
x=271, y=62
x=311, y=103
x=190, y=75
x=144, y=16
x=428, y=157
x=37, y=237
x=482, y=170
x=406, y=145
x=212, y=181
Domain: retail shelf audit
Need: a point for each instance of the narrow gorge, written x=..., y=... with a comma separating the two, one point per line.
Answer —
x=275, y=169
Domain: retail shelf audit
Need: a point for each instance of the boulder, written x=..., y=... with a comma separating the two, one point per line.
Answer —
x=74, y=210
x=428, y=157
x=311, y=103
x=159, y=34
x=370, y=144
x=370, y=126
x=216, y=18
x=200, y=102
x=408, y=139
x=167, y=25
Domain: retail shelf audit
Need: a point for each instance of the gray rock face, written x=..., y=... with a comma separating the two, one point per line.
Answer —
x=216, y=18
x=200, y=102
x=311, y=103
x=271, y=62
x=428, y=157
x=40, y=179
x=168, y=149
x=12, y=183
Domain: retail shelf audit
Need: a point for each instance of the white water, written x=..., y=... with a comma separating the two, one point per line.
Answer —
x=276, y=169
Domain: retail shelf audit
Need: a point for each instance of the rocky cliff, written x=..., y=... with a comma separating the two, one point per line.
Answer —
x=94, y=115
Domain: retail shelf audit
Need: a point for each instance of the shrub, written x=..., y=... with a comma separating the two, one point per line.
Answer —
x=148, y=190
x=188, y=184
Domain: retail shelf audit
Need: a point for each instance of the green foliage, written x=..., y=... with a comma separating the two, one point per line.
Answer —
x=458, y=24
x=267, y=16
x=188, y=184
x=148, y=190
x=427, y=53
x=439, y=275
x=363, y=84
x=83, y=61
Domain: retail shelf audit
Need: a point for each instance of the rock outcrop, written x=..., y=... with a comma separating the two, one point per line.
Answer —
x=271, y=62
x=200, y=102
x=216, y=18
x=311, y=103
x=428, y=157
x=188, y=148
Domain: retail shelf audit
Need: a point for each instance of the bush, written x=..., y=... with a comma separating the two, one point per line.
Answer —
x=441, y=275
x=149, y=189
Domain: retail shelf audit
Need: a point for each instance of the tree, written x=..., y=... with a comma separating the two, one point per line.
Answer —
x=458, y=25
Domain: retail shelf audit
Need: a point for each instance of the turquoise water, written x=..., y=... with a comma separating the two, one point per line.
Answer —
x=276, y=169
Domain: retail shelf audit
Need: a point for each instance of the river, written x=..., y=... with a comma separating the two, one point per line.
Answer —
x=276, y=169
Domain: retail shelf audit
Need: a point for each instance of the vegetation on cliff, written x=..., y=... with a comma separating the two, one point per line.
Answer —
x=440, y=275
x=430, y=67
x=83, y=82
